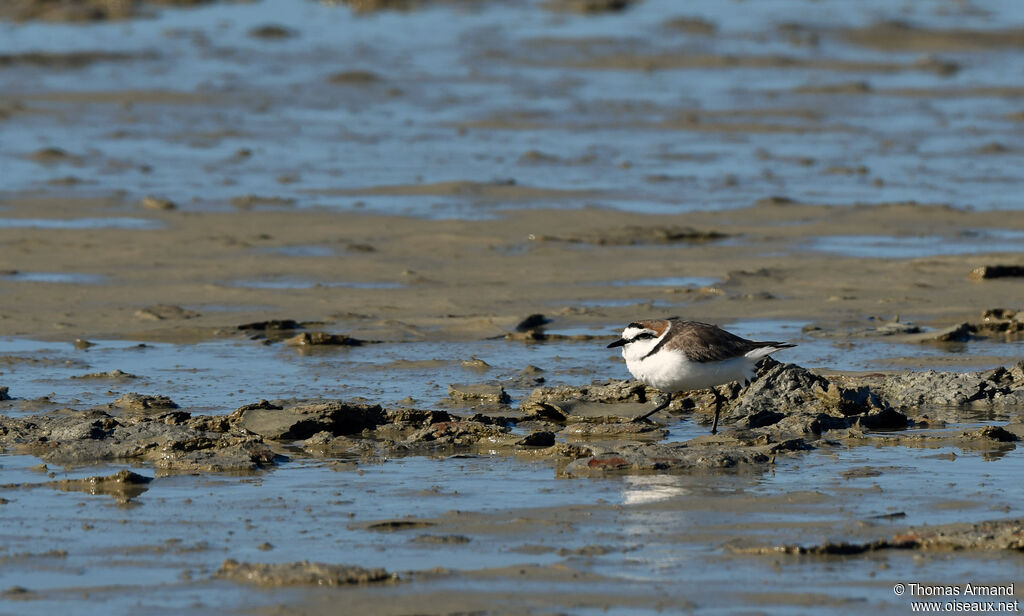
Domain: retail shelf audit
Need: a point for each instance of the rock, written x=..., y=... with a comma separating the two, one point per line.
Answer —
x=536, y=157
x=994, y=535
x=51, y=155
x=691, y=25
x=861, y=472
x=17, y=593
x=587, y=551
x=271, y=31
x=72, y=11
x=992, y=147
x=589, y=430
x=390, y=526
x=370, y=6
x=441, y=539
x=962, y=332
x=538, y=335
x=354, y=77
x=416, y=417
x=262, y=404
x=481, y=393
x=613, y=391
x=851, y=87
x=775, y=201
x=171, y=441
x=936, y=65
x=1000, y=321
x=115, y=375
x=542, y=411
x=1016, y=429
x=150, y=202
x=537, y=439
x=274, y=324
x=302, y=573
x=846, y=170
x=883, y=419
x=633, y=235
x=495, y=420
x=999, y=388
x=894, y=329
x=322, y=339
x=788, y=399
x=587, y=7
x=79, y=430
x=532, y=322
x=998, y=314
x=123, y=485
x=248, y=202
x=307, y=418
x=5, y=393
x=528, y=377
x=459, y=433
x=164, y=312
x=995, y=433
x=82, y=10
x=229, y=458
x=143, y=402
x=989, y=272
x=402, y=423
x=703, y=453
x=326, y=444
x=475, y=363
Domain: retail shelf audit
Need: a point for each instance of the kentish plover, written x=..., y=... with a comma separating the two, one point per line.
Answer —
x=673, y=355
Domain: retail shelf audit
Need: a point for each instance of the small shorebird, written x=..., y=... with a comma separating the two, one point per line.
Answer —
x=673, y=355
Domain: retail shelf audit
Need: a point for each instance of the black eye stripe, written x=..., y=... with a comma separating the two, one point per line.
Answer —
x=644, y=336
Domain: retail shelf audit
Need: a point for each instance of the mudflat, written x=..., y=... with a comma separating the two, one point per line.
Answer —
x=301, y=307
x=455, y=279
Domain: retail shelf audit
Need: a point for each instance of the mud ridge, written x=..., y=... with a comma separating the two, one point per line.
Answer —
x=787, y=409
x=302, y=573
x=993, y=535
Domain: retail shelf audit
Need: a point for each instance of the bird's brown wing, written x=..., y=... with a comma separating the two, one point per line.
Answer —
x=703, y=342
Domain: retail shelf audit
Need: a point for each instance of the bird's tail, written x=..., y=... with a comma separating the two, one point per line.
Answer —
x=768, y=348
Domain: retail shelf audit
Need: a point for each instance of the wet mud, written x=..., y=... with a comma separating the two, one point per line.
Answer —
x=995, y=535
x=300, y=574
x=301, y=308
x=587, y=431
x=85, y=10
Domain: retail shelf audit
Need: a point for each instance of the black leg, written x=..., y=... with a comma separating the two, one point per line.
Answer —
x=718, y=409
x=666, y=398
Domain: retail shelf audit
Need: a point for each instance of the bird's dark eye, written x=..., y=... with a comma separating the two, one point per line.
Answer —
x=642, y=336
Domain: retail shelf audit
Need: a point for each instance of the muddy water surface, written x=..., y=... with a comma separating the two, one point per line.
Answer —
x=193, y=194
x=640, y=543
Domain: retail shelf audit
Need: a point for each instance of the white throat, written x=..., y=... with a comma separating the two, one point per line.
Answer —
x=638, y=349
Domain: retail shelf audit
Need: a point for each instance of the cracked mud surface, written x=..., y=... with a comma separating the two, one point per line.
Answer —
x=584, y=430
x=300, y=310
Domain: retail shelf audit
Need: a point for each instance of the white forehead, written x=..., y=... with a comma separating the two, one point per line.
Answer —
x=632, y=332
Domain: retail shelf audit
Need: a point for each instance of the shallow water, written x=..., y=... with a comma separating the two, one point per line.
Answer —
x=654, y=530
x=292, y=283
x=80, y=223
x=504, y=105
x=305, y=251
x=504, y=85
x=884, y=247
x=56, y=277
x=668, y=281
x=219, y=376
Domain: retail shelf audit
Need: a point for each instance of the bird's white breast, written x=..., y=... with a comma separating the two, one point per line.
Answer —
x=671, y=371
